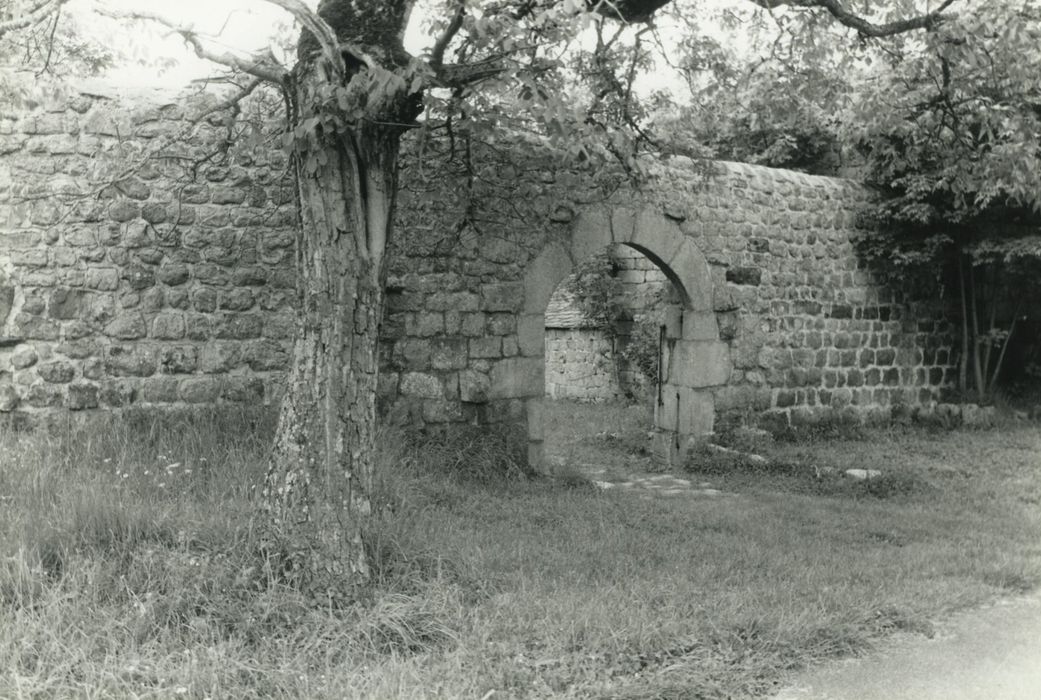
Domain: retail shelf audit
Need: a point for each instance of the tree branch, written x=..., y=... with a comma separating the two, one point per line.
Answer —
x=323, y=34
x=437, y=54
x=863, y=26
x=35, y=15
x=261, y=65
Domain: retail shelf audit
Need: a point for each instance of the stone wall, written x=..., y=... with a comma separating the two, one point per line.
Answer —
x=166, y=289
x=583, y=362
x=153, y=288
x=580, y=365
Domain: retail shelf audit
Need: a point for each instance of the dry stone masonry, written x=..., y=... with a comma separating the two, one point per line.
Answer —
x=586, y=362
x=173, y=285
x=151, y=288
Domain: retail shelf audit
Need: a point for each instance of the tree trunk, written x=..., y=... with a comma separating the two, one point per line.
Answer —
x=963, y=364
x=977, y=352
x=319, y=477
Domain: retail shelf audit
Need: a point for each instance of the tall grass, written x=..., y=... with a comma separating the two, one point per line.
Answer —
x=130, y=569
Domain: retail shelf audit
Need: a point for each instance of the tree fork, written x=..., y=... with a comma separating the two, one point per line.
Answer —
x=316, y=495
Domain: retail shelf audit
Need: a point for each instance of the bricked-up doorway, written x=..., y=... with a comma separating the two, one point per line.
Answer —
x=693, y=358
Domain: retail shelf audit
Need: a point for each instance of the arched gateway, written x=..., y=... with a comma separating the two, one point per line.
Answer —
x=692, y=358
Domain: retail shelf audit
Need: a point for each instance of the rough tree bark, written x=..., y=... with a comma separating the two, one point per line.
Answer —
x=319, y=476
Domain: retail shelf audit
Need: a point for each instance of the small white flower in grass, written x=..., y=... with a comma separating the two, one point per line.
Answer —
x=106, y=460
x=180, y=690
x=175, y=465
x=162, y=484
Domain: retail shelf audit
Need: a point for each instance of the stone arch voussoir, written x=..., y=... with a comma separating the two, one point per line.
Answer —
x=658, y=238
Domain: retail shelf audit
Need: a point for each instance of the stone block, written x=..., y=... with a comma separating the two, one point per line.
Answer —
x=425, y=324
x=218, y=358
x=123, y=210
x=24, y=358
x=173, y=274
x=531, y=335
x=412, y=353
x=128, y=361
x=57, y=372
x=623, y=224
x=228, y=195
x=674, y=319
x=238, y=326
x=240, y=299
x=105, y=280
x=501, y=324
x=181, y=359
x=421, y=385
x=518, y=377
x=159, y=390
x=700, y=325
x=657, y=237
x=485, y=347
x=138, y=277
x=667, y=449
x=117, y=393
x=204, y=300
x=452, y=301
x=502, y=296
x=591, y=234
x=541, y=278
x=243, y=389
x=666, y=408
x=472, y=324
x=745, y=276
x=200, y=389
x=9, y=398
x=696, y=412
x=536, y=418
x=537, y=458
x=44, y=396
x=168, y=326
x=82, y=396
x=474, y=386
x=448, y=353
x=126, y=327
x=6, y=300
x=699, y=364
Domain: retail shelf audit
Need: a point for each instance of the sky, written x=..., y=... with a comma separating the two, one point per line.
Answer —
x=241, y=25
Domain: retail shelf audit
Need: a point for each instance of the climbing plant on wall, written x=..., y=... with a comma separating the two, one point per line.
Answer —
x=600, y=295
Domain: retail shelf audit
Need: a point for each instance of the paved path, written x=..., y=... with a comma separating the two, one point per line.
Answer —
x=988, y=654
x=643, y=483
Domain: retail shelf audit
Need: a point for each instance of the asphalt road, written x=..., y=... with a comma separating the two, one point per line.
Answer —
x=992, y=653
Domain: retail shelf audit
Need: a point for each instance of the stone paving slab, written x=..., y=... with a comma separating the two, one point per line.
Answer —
x=647, y=483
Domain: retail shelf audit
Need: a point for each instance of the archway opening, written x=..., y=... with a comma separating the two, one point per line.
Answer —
x=604, y=331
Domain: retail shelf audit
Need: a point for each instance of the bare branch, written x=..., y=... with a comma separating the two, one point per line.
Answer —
x=322, y=32
x=463, y=74
x=437, y=54
x=863, y=26
x=34, y=15
x=261, y=65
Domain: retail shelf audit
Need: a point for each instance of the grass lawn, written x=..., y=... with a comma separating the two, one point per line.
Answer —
x=128, y=567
